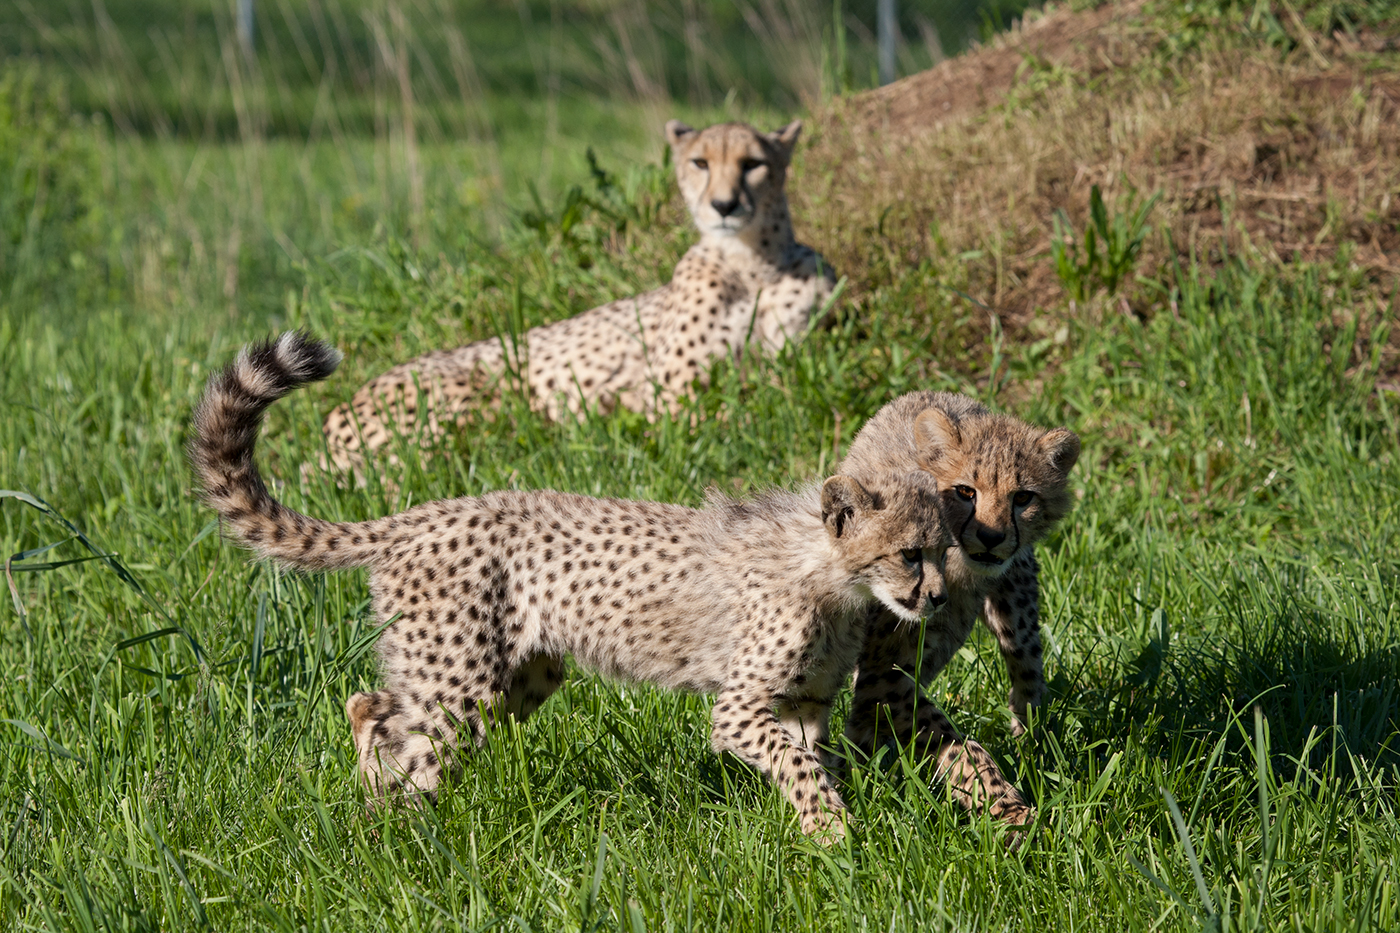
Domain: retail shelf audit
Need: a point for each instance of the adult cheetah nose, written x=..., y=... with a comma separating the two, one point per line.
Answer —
x=725, y=208
x=990, y=539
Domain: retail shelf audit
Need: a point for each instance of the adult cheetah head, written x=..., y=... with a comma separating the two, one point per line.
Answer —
x=895, y=546
x=1004, y=483
x=730, y=174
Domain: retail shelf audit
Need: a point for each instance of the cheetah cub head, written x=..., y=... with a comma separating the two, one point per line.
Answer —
x=730, y=174
x=1004, y=483
x=895, y=548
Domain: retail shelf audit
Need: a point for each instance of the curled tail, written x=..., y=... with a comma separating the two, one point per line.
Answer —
x=226, y=424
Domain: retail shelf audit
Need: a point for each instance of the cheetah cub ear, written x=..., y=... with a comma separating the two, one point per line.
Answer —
x=1062, y=447
x=935, y=431
x=842, y=499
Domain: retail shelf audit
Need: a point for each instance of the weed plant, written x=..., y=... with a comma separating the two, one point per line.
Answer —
x=1111, y=247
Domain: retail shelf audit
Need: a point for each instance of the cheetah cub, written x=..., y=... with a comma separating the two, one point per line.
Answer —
x=1003, y=485
x=747, y=285
x=762, y=602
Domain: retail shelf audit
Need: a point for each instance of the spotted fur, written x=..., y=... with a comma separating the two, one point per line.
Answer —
x=1003, y=485
x=762, y=602
x=746, y=285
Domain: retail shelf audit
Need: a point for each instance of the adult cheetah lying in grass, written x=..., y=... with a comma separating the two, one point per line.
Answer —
x=763, y=602
x=747, y=285
x=1003, y=485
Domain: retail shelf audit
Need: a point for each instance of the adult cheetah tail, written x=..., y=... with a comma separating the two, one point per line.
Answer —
x=226, y=424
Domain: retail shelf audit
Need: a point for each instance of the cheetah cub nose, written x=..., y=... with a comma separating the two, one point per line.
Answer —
x=990, y=538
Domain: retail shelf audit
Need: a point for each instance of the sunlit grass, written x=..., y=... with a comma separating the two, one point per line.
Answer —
x=147, y=785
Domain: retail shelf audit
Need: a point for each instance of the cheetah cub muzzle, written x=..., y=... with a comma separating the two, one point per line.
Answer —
x=762, y=602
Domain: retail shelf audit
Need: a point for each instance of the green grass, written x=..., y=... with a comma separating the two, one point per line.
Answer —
x=1217, y=564
x=1221, y=748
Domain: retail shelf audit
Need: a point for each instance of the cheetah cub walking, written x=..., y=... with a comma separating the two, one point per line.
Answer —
x=762, y=602
x=1004, y=486
x=748, y=285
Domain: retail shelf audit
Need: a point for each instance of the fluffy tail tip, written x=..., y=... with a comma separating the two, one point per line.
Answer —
x=275, y=367
x=305, y=358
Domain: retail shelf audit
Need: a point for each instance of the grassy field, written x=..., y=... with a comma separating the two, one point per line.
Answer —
x=1222, y=610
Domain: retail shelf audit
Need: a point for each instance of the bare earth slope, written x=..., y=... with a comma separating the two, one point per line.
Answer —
x=969, y=83
x=1262, y=135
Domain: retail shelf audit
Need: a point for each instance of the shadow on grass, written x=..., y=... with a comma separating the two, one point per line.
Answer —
x=1311, y=675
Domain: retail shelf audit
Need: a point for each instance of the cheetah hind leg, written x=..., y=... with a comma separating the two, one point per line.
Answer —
x=534, y=682
x=403, y=754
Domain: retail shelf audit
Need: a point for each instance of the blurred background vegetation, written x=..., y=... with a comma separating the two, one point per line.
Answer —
x=323, y=66
x=146, y=150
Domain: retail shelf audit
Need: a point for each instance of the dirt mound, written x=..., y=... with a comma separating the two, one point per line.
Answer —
x=1285, y=150
x=970, y=83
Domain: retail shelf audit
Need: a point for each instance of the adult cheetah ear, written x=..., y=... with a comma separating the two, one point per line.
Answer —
x=786, y=138
x=843, y=498
x=1062, y=447
x=934, y=431
x=676, y=131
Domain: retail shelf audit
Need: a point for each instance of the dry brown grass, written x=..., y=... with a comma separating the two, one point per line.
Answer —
x=1285, y=156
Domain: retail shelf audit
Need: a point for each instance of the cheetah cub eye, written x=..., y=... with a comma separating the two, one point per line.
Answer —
x=701, y=164
x=965, y=492
x=1023, y=497
x=913, y=555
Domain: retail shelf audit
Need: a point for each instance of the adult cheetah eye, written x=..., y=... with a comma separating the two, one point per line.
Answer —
x=1023, y=497
x=965, y=492
x=913, y=555
x=748, y=165
x=702, y=164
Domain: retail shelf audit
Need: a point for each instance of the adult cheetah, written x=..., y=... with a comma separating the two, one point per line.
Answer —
x=762, y=601
x=1004, y=486
x=746, y=285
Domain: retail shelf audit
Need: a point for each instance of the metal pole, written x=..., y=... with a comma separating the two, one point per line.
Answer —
x=886, y=30
x=245, y=26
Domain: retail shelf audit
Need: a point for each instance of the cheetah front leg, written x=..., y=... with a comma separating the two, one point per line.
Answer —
x=887, y=705
x=807, y=722
x=1012, y=613
x=967, y=768
x=885, y=693
x=745, y=725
